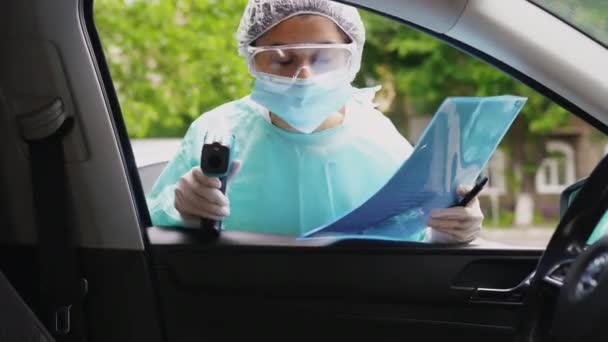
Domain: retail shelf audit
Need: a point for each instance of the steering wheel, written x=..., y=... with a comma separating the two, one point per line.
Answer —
x=568, y=297
x=582, y=305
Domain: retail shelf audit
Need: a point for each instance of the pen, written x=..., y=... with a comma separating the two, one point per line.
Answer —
x=471, y=194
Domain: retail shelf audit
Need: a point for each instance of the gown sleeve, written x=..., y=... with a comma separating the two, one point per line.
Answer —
x=161, y=200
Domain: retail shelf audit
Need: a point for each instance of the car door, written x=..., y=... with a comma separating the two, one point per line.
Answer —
x=159, y=284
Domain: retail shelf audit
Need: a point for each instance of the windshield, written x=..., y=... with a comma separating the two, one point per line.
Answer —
x=589, y=16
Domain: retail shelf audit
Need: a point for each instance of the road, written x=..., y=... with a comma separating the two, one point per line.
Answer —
x=519, y=236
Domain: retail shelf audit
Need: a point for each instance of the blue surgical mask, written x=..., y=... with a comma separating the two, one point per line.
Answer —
x=303, y=104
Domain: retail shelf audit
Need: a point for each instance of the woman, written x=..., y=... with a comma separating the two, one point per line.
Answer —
x=309, y=146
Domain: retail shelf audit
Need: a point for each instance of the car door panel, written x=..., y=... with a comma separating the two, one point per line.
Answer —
x=120, y=301
x=352, y=287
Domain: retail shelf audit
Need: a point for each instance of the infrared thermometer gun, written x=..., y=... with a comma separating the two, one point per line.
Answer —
x=216, y=160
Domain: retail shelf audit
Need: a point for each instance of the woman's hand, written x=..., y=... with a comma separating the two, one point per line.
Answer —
x=197, y=195
x=456, y=224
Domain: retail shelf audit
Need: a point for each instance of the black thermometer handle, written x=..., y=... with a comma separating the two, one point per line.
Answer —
x=211, y=227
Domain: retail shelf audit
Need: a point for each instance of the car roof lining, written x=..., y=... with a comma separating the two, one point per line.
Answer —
x=435, y=15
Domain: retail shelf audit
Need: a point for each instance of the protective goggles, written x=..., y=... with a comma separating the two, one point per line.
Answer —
x=298, y=61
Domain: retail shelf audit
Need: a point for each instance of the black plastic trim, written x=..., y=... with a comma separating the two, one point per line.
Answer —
x=179, y=240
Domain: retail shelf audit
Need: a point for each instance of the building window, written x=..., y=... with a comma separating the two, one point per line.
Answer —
x=556, y=171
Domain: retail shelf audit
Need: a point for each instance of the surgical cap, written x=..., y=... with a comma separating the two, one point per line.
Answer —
x=262, y=15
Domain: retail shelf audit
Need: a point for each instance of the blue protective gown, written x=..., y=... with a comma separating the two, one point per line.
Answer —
x=290, y=183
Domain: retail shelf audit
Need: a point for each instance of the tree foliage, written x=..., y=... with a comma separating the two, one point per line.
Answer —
x=171, y=60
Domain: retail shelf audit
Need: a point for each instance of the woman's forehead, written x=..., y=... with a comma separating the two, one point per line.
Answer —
x=303, y=29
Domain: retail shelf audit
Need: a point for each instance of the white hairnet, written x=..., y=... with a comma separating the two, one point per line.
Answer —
x=262, y=15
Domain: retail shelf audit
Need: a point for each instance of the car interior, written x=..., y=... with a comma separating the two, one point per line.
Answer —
x=80, y=260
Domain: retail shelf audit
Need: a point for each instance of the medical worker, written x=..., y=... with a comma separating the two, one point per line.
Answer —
x=309, y=147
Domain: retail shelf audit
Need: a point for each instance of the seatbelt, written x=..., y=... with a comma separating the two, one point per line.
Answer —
x=62, y=290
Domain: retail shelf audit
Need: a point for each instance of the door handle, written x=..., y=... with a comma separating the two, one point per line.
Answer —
x=510, y=296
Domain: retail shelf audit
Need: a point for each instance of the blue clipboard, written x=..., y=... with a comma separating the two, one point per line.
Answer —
x=453, y=149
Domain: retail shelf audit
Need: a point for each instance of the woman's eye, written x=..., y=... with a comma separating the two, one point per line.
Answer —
x=284, y=62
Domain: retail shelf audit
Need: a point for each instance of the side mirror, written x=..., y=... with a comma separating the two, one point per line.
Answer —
x=568, y=195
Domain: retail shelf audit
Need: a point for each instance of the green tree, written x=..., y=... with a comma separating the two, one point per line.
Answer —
x=171, y=60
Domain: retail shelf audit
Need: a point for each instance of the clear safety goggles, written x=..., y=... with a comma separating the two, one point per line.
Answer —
x=300, y=61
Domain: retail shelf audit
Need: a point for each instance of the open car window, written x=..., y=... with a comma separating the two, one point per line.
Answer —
x=177, y=71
